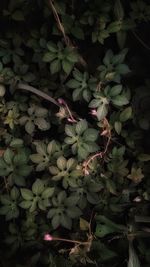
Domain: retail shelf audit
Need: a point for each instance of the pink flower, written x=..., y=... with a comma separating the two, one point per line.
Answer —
x=93, y=112
x=61, y=101
x=86, y=172
x=48, y=237
x=71, y=120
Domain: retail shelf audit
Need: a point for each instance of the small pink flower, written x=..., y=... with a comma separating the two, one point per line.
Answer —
x=93, y=112
x=104, y=133
x=48, y=237
x=61, y=101
x=71, y=120
x=86, y=172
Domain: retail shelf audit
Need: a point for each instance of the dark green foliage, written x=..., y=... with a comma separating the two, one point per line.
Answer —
x=74, y=133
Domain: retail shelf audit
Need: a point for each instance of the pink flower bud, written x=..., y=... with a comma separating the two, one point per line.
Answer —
x=61, y=101
x=93, y=112
x=104, y=133
x=86, y=172
x=70, y=120
x=48, y=237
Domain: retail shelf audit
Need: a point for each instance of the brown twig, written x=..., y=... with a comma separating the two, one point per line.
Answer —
x=59, y=24
x=71, y=241
x=63, y=102
x=106, y=132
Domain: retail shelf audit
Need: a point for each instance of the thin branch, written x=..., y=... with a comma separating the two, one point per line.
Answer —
x=140, y=40
x=59, y=24
x=63, y=102
x=106, y=132
x=33, y=90
x=71, y=241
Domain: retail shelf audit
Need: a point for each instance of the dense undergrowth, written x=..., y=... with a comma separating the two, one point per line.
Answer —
x=74, y=133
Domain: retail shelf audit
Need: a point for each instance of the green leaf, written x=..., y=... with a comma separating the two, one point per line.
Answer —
x=29, y=126
x=48, y=57
x=74, y=212
x=61, y=197
x=122, y=69
x=72, y=57
x=69, y=140
x=82, y=153
x=115, y=90
x=56, y=221
x=40, y=147
x=81, y=126
x=86, y=95
x=41, y=112
x=108, y=57
x=41, y=205
x=26, y=194
x=70, y=130
x=84, y=225
x=71, y=164
x=33, y=205
x=78, y=75
x=126, y=114
x=121, y=38
x=13, y=213
x=77, y=94
x=54, y=170
x=4, y=170
x=20, y=158
x=144, y=157
x=14, y=193
x=120, y=100
x=4, y=210
x=18, y=15
x=52, y=47
x=71, y=201
x=90, y=135
x=78, y=32
x=111, y=186
x=73, y=84
x=114, y=27
x=3, y=164
x=67, y=66
x=103, y=230
x=8, y=156
x=119, y=58
x=38, y=187
x=24, y=170
x=51, y=213
x=48, y=192
x=118, y=9
x=42, y=124
x=118, y=127
x=55, y=66
x=36, y=158
x=102, y=111
x=29, y=77
x=90, y=146
x=17, y=142
x=95, y=103
x=25, y=204
x=61, y=163
x=5, y=199
x=66, y=221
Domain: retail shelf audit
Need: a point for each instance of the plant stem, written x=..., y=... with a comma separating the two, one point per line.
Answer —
x=31, y=89
x=70, y=241
x=140, y=40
